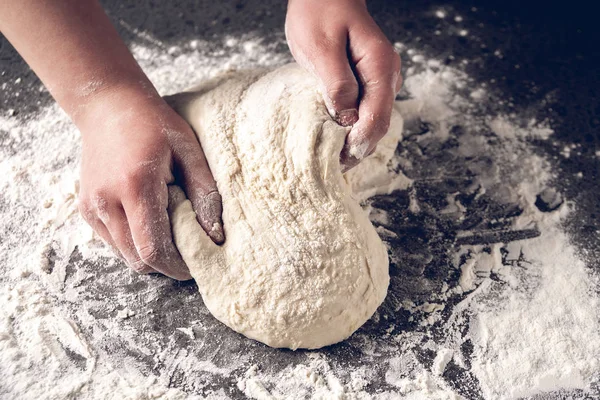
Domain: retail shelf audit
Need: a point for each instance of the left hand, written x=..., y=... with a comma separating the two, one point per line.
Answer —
x=359, y=71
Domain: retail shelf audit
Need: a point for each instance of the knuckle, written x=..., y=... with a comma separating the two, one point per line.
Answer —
x=86, y=210
x=396, y=62
x=95, y=196
x=377, y=126
x=342, y=89
x=133, y=181
x=380, y=126
x=142, y=178
x=324, y=42
x=385, y=48
x=149, y=254
x=213, y=196
x=211, y=199
x=93, y=205
x=400, y=80
x=209, y=207
x=186, y=150
x=387, y=57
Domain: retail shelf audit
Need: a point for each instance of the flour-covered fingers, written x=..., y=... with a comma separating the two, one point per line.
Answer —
x=151, y=233
x=209, y=208
x=378, y=69
x=201, y=188
x=350, y=162
x=338, y=83
x=117, y=226
x=90, y=214
x=319, y=43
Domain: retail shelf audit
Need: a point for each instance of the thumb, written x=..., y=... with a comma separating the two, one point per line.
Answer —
x=200, y=187
x=328, y=60
x=187, y=231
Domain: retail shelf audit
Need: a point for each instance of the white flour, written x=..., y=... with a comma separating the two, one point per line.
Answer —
x=527, y=310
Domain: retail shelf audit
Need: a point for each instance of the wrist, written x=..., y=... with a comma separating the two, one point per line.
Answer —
x=111, y=103
x=114, y=83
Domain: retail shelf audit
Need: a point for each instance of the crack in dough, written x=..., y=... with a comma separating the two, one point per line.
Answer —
x=302, y=266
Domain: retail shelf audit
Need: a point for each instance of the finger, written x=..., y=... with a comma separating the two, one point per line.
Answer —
x=148, y=221
x=352, y=162
x=95, y=222
x=104, y=233
x=329, y=61
x=377, y=67
x=201, y=188
x=118, y=227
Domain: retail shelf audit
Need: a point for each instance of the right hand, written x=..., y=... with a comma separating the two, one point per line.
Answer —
x=134, y=145
x=359, y=71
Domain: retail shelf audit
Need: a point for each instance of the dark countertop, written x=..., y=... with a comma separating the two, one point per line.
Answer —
x=549, y=52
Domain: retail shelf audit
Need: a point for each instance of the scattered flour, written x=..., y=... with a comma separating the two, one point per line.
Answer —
x=521, y=317
x=543, y=338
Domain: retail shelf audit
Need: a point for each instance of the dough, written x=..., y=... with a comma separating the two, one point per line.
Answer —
x=302, y=266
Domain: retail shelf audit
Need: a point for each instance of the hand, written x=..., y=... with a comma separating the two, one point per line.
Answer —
x=134, y=145
x=359, y=70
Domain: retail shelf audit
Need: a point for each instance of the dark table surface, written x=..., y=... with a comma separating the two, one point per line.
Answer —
x=554, y=44
x=549, y=50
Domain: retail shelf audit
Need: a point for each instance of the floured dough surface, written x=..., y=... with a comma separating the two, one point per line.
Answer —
x=302, y=266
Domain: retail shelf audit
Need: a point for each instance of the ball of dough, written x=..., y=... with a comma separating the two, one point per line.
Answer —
x=302, y=266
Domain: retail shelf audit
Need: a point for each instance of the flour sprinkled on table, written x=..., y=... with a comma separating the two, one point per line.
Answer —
x=488, y=297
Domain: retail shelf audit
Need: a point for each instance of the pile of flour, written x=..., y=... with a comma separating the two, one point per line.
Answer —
x=516, y=315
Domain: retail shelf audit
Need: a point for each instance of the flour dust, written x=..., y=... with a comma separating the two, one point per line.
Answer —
x=488, y=299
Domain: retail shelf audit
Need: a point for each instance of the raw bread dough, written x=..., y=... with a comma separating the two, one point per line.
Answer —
x=302, y=266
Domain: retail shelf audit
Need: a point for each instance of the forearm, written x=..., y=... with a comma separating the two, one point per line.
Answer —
x=74, y=49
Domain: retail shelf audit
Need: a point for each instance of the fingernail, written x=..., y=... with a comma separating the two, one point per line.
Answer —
x=359, y=150
x=350, y=161
x=216, y=233
x=351, y=156
x=347, y=117
x=355, y=149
